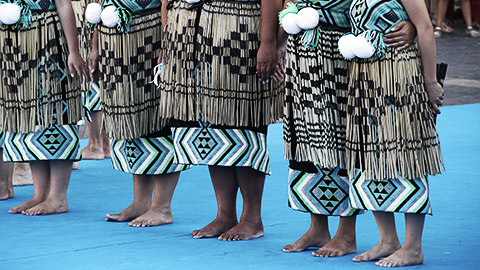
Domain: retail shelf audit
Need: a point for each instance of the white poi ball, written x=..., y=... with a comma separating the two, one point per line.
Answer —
x=10, y=13
x=289, y=24
x=345, y=46
x=192, y=1
x=110, y=16
x=308, y=18
x=93, y=13
x=362, y=48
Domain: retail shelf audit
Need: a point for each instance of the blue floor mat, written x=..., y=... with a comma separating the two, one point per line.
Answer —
x=81, y=239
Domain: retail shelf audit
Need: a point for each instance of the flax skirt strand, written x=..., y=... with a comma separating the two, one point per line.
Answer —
x=131, y=104
x=226, y=88
x=316, y=100
x=37, y=87
x=178, y=62
x=390, y=124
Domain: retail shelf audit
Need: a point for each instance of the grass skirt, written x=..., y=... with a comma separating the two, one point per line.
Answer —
x=390, y=123
x=38, y=90
x=131, y=104
x=316, y=100
x=209, y=71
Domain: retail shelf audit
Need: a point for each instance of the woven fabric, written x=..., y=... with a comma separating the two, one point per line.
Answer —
x=54, y=143
x=37, y=87
x=316, y=87
x=390, y=123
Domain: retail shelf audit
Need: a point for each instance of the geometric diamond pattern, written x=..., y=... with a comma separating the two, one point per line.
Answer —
x=145, y=156
x=221, y=147
x=390, y=195
x=133, y=151
x=54, y=143
x=52, y=140
x=324, y=192
x=381, y=190
x=204, y=143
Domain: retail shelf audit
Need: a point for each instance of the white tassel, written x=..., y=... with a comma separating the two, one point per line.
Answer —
x=110, y=16
x=10, y=13
x=345, y=46
x=307, y=18
x=290, y=25
x=93, y=13
x=192, y=1
x=362, y=48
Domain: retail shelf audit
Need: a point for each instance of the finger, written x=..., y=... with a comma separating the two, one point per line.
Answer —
x=391, y=40
x=397, y=44
x=435, y=108
x=398, y=26
x=394, y=34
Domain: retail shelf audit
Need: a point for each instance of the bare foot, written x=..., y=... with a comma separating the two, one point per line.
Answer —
x=338, y=246
x=26, y=205
x=312, y=238
x=6, y=192
x=129, y=213
x=106, y=147
x=402, y=257
x=382, y=249
x=92, y=153
x=155, y=216
x=245, y=230
x=214, y=228
x=75, y=165
x=48, y=207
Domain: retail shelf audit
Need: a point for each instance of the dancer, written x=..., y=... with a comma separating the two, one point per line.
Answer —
x=141, y=140
x=315, y=125
x=221, y=105
x=42, y=98
x=391, y=133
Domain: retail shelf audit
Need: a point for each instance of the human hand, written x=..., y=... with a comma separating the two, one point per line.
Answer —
x=77, y=65
x=266, y=61
x=93, y=59
x=401, y=35
x=435, y=95
x=280, y=67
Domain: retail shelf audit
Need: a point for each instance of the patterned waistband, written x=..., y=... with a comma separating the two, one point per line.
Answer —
x=132, y=6
x=37, y=5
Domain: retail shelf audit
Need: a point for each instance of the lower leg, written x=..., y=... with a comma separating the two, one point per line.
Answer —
x=389, y=242
x=142, y=190
x=344, y=241
x=41, y=185
x=251, y=184
x=159, y=212
x=467, y=12
x=316, y=236
x=441, y=11
x=22, y=175
x=6, y=171
x=224, y=182
x=56, y=202
x=411, y=251
x=94, y=149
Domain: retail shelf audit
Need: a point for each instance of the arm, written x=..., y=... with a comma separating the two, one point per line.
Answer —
x=164, y=13
x=401, y=36
x=93, y=57
x=67, y=19
x=418, y=13
x=282, y=37
x=267, y=53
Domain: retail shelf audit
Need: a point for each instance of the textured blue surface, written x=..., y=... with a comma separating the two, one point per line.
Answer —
x=81, y=239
